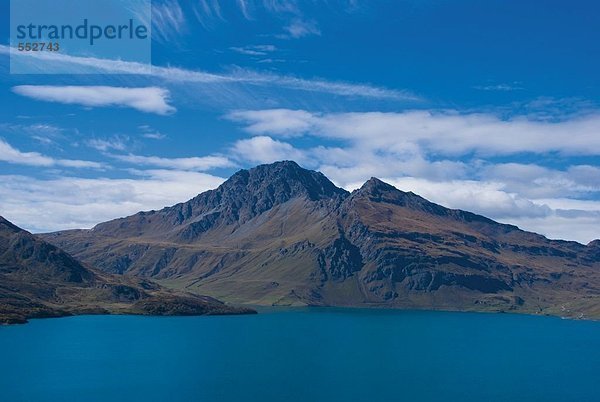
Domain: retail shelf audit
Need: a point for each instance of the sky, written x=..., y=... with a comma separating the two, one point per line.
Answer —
x=488, y=106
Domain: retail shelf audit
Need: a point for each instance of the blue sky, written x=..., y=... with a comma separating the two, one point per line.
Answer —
x=490, y=106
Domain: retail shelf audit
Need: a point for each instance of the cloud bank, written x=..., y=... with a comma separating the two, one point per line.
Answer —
x=444, y=133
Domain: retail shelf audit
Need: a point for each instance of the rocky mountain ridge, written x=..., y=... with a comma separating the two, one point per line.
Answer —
x=279, y=234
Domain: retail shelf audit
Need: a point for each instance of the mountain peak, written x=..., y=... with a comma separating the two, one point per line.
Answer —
x=284, y=164
x=245, y=195
x=279, y=167
x=285, y=178
x=376, y=185
x=379, y=190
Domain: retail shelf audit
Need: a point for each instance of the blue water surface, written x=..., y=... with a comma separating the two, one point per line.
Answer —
x=302, y=355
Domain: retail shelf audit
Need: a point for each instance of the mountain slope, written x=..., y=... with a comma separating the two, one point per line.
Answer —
x=421, y=254
x=38, y=279
x=280, y=234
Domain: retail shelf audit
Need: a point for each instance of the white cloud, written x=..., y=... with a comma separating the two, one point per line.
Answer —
x=151, y=133
x=499, y=87
x=254, y=50
x=117, y=143
x=270, y=60
x=347, y=166
x=148, y=99
x=444, y=133
x=266, y=150
x=43, y=140
x=192, y=163
x=42, y=128
x=541, y=182
x=12, y=155
x=281, y=122
x=486, y=198
x=299, y=28
x=247, y=51
x=265, y=48
x=154, y=136
x=74, y=163
x=582, y=228
x=566, y=204
x=73, y=202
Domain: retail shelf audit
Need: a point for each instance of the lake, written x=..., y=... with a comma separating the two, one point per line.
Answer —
x=318, y=354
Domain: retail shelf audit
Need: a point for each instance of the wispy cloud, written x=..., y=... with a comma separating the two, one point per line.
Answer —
x=117, y=143
x=168, y=21
x=149, y=99
x=281, y=6
x=300, y=28
x=324, y=86
x=254, y=50
x=12, y=155
x=44, y=133
x=244, y=6
x=149, y=132
x=43, y=128
x=269, y=60
x=500, y=87
x=236, y=77
x=154, y=136
x=192, y=163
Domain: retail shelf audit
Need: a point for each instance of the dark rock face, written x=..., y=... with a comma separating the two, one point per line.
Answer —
x=280, y=234
x=340, y=260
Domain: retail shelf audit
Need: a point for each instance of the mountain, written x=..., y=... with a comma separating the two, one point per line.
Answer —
x=281, y=235
x=38, y=280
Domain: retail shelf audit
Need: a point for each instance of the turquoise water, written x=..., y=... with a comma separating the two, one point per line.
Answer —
x=302, y=355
